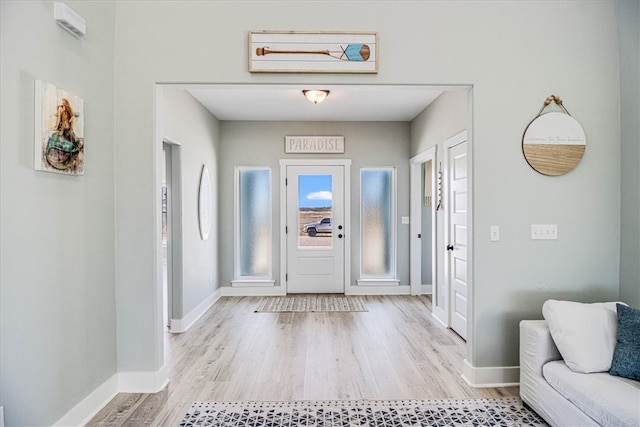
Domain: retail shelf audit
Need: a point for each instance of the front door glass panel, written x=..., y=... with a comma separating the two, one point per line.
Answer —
x=315, y=207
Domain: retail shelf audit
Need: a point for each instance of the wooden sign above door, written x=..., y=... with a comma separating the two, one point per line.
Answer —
x=314, y=144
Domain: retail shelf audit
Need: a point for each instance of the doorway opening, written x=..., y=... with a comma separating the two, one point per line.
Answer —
x=423, y=229
x=287, y=221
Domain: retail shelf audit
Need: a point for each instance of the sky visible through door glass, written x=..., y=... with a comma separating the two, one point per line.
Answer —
x=314, y=191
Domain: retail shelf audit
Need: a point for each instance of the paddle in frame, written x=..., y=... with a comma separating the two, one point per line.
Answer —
x=313, y=52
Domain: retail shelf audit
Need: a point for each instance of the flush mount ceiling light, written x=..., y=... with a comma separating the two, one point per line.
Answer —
x=315, y=96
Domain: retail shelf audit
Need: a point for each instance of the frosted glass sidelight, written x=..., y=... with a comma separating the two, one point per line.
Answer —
x=255, y=222
x=376, y=218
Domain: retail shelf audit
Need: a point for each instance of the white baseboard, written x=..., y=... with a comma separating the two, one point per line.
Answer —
x=438, y=315
x=426, y=289
x=91, y=405
x=122, y=382
x=378, y=282
x=252, y=283
x=378, y=290
x=177, y=326
x=257, y=291
x=132, y=381
x=500, y=376
x=143, y=381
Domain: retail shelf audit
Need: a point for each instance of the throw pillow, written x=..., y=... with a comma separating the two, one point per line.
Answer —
x=585, y=334
x=626, y=357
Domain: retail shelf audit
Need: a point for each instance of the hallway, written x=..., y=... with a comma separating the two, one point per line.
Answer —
x=396, y=350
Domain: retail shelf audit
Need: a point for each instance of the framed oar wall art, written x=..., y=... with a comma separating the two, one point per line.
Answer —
x=313, y=52
x=554, y=142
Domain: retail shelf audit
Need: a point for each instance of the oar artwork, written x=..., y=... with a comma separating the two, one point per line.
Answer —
x=353, y=52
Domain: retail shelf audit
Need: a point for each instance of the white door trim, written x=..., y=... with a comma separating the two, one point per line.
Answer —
x=346, y=163
x=174, y=230
x=415, y=222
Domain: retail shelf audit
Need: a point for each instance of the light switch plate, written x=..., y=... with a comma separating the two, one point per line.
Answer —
x=494, y=233
x=544, y=231
x=405, y=220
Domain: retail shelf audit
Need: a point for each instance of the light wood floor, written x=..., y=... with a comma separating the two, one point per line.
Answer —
x=396, y=350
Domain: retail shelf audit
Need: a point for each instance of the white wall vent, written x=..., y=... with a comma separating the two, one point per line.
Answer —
x=69, y=19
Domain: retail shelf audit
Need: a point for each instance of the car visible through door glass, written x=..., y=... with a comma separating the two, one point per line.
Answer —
x=321, y=227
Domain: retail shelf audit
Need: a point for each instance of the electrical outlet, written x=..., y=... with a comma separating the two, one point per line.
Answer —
x=544, y=232
x=405, y=220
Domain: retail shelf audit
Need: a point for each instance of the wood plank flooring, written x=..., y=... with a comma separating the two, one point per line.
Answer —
x=396, y=350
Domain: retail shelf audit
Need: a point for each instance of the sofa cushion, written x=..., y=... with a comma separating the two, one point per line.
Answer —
x=585, y=334
x=608, y=400
x=626, y=356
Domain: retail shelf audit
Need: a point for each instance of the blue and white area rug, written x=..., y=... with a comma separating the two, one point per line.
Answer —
x=378, y=413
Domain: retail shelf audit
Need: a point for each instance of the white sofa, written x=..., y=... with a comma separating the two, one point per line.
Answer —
x=567, y=398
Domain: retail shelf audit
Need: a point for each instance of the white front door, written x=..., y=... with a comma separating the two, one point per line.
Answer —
x=456, y=210
x=315, y=228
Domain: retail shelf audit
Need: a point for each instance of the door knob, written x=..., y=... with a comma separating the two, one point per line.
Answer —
x=449, y=247
x=339, y=236
x=339, y=227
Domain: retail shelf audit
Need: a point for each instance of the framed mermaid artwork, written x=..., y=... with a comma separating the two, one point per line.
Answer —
x=59, y=130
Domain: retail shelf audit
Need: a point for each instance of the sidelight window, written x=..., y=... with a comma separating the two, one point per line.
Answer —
x=253, y=223
x=377, y=219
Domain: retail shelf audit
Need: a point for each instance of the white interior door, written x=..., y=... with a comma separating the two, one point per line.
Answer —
x=315, y=229
x=456, y=212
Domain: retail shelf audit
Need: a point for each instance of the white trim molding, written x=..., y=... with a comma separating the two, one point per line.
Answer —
x=121, y=382
x=253, y=291
x=491, y=377
x=426, y=289
x=182, y=325
x=143, y=381
x=252, y=283
x=378, y=290
x=82, y=413
x=378, y=282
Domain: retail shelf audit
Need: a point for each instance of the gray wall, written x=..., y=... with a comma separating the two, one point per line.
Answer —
x=447, y=116
x=498, y=47
x=262, y=144
x=629, y=32
x=188, y=123
x=57, y=305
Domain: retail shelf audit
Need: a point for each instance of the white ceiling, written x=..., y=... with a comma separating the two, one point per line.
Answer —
x=353, y=103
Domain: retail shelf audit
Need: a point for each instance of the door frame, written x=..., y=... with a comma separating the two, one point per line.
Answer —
x=284, y=163
x=415, y=221
x=174, y=231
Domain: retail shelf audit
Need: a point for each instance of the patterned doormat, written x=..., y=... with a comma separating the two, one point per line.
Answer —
x=310, y=303
x=388, y=413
